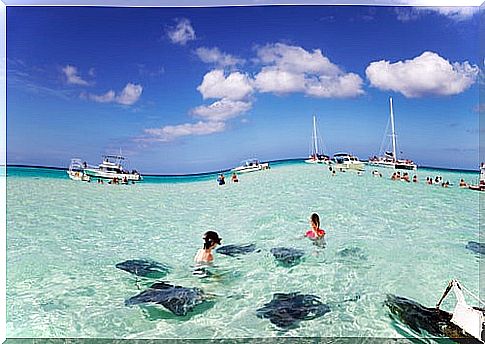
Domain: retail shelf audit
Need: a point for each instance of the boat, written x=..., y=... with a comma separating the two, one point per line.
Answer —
x=346, y=161
x=111, y=168
x=251, y=165
x=316, y=157
x=466, y=324
x=390, y=159
x=481, y=183
x=76, y=171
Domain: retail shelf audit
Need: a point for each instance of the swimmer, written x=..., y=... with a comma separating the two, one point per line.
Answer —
x=211, y=240
x=315, y=232
x=415, y=179
x=463, y=184
x=234, y=178
x=221, y=180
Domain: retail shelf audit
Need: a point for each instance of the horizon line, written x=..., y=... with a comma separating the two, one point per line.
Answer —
x=223, y=170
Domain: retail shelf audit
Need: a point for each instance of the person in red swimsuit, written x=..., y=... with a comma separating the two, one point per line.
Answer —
x=315, y=232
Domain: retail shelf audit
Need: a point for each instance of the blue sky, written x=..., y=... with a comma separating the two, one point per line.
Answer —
x=200, y=89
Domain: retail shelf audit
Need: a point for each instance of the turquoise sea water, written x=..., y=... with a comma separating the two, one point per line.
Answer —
x=65, y=237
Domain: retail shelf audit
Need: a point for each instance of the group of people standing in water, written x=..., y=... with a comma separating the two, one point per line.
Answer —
x=221, y=180
x=212, y=239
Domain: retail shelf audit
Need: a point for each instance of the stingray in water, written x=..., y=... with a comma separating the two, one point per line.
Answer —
x=235, y=250
x=426, y=321
x=179, y=300
x=476, y=247
x=287, y=310
x=352, y=253
x=287, y=256
x=144, y=268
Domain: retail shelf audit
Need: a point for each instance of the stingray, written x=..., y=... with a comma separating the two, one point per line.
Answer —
x=426, y=321
x=352, y=253
x=144, y=268
x=179, y=300
x=287, y=310
x=235, y=250
x=287, y=256
x=476, y=247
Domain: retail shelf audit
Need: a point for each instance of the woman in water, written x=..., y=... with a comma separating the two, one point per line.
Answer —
x=315, y=233
x=211, y=240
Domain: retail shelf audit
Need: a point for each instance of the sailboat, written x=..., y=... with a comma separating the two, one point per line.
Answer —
x=390, y=159
x=315, y=157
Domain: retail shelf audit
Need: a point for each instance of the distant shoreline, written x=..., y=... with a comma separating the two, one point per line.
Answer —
x=226, y=170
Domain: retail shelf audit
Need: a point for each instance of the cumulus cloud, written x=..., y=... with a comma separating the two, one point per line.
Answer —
x=215, y=56
x=456, y=13
x=72, y=77
x=128, y=96
x=427, y=74
x=235, y=86
x=182, y=33
x=296, y=59
x=222, y=110
x=171, y=132
x=289, y=69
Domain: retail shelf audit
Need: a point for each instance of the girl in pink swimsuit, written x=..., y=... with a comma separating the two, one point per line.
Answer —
x=315, y=232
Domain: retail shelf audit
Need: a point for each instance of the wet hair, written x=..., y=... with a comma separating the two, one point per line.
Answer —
x=316, y=219
x=211, y=237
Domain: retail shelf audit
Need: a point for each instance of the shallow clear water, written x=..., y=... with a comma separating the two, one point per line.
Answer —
x=64, y=239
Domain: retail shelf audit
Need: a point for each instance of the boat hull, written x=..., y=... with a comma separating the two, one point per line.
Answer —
x=350, y=166
x=78, y=176
x=93, y=173
x=254, y=168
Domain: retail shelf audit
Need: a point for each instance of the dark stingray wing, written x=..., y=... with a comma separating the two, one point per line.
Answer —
x=476, y=247
x=144, y=268
x=182, y=300
x=146, y=296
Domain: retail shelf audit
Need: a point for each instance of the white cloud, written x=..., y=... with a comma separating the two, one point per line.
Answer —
x=128, y=96
x=215, y=56
x=182, y=32
x=296, y=59
x=236, y=86
x=342, y=86
x=271, y=79
x=222, y=110
x=291, y=69
x=72, y=76
x=427, y=74
x=108, y=97
x=456, y=13
x=171, y=132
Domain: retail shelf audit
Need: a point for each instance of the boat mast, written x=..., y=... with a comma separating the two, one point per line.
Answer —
x=315, y=140
x=393, y=135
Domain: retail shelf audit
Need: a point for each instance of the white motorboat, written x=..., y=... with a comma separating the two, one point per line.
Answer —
x=76, y=171
x=251, y=165
x=390, y=159
x=111, y=168
x=481, y=183
x=345, y=161
x=315, y=156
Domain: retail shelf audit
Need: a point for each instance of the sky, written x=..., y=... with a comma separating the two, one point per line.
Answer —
x=189, y=90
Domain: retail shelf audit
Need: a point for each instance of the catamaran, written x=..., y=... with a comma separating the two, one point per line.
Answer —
x=390, y=159
x=316, y=157
x=111, y=168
